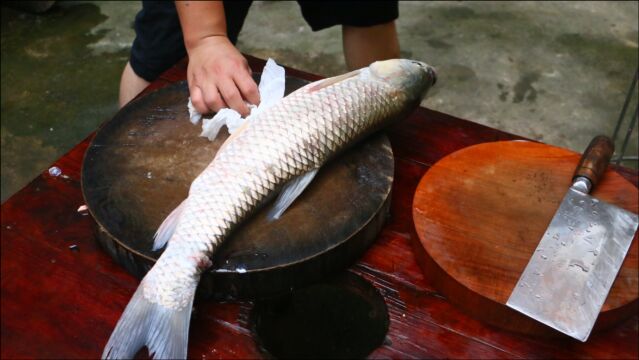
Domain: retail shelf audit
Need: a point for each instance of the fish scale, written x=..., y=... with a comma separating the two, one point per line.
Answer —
x=224, y=203
x=293, y=137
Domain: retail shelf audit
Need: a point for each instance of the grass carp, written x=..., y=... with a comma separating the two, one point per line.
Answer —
x=278, y=151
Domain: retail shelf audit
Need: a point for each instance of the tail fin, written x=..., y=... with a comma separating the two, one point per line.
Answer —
x=164, y=331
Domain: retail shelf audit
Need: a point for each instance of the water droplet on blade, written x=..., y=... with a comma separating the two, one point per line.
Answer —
x=579, y=264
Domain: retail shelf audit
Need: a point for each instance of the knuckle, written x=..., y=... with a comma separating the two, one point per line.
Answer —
x=219, y=67
x=211, y=99
x=252, y=92
x=233, y=97
x=236, y=61
x=217, y=103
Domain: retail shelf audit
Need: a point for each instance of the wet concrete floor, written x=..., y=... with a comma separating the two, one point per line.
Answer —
x=556, y=72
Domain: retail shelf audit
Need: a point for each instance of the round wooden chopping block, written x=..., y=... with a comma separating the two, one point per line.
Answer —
x=480, y=213
x=141, y=163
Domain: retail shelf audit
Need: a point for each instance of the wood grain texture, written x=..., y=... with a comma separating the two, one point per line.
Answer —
x=141, y=163
x=59, y=303
x=481, y=212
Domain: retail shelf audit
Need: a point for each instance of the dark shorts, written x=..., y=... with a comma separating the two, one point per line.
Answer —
x=158, y=44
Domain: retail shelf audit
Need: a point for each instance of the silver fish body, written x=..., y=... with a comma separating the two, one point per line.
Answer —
x=290, y=139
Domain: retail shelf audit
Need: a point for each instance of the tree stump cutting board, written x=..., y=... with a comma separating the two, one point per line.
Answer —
x=140, y=166
x=480, y=213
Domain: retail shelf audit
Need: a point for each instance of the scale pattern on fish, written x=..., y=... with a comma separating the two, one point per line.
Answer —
x=278, y=150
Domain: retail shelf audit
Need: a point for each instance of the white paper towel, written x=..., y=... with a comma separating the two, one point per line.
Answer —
x=271, y=88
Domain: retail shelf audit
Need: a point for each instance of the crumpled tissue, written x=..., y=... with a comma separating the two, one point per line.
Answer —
x=271, y=89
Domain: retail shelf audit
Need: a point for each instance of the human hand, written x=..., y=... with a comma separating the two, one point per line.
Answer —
x=219, y=77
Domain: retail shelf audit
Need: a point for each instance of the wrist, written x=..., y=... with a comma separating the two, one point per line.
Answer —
x=208, y=40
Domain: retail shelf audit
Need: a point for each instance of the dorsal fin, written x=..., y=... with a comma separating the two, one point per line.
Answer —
x=334, y=80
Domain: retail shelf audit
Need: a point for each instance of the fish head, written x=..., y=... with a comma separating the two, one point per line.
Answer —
x=412, y=77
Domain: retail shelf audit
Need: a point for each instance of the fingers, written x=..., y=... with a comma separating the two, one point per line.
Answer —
x=232, y=96
x=211, y=96
x=225, y=92
x=247, y=87
x=207, y=101
x=198, y=100
x=217, y=82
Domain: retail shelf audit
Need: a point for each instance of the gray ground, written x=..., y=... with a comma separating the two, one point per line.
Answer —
x=553, y=71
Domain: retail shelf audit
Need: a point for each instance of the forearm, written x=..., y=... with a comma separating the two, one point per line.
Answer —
x=200, y=20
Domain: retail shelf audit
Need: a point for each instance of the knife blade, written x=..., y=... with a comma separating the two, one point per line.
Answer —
x=568, y=277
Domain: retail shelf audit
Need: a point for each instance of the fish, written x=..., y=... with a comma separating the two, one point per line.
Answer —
x=279, y=151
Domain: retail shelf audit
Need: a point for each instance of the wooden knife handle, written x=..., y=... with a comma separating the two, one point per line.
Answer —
x=595, y=159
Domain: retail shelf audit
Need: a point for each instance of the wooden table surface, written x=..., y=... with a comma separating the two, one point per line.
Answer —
x=63, y=302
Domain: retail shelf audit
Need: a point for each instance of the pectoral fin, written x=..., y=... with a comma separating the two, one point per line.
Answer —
x=289, y=193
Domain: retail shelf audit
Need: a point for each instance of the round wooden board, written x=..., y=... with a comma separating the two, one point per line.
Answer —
x=480, y=213
x=140, y=166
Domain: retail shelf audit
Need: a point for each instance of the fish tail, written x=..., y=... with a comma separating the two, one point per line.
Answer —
x=163, y=330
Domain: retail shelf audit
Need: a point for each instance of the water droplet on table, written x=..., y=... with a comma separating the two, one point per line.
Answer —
x=82, y=209
x=55, y=171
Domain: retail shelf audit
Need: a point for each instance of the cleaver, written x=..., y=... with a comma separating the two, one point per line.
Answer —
x=572, y=270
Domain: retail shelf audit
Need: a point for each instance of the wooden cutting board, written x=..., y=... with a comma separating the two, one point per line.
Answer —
x=140, y=166
x=480, y=213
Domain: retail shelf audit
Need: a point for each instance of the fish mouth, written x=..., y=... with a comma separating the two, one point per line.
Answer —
x=432, y=74
x=429, y=70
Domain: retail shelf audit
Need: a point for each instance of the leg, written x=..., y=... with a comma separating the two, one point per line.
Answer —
x=364, y=45
x=130, y=85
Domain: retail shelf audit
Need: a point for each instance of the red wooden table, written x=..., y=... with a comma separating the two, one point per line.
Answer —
x=63, y=302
